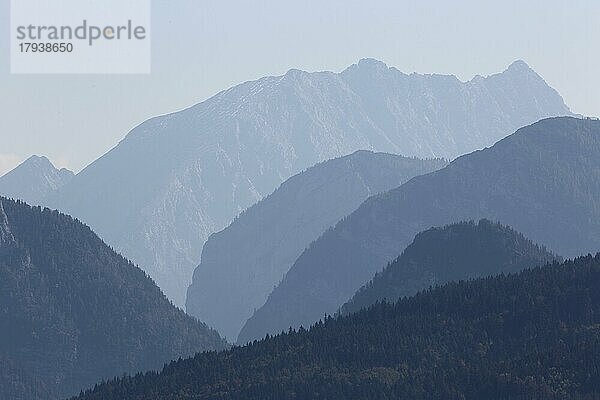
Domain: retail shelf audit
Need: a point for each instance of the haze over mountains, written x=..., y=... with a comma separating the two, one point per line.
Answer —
x=460, y=251
x=544, y=181
x=243, y=263
x=73, y=312
x=313, y=183
x=175, y=179
x=33, y=180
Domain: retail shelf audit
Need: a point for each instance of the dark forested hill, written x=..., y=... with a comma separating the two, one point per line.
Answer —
x=544, y=181
x=533, y=335
x=455, y=252
x=73, y=312
x=242, y=264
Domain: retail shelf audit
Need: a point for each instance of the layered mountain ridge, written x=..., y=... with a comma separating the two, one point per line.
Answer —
x=178, y=178
x=242, y=264
x=544, y=181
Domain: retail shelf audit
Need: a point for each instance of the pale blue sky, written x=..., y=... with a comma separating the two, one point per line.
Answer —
x=202, y=47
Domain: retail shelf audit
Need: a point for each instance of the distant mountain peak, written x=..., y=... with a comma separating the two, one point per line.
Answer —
x=40, y=164
x=372, y=63
x=295, y=73
x=368, y=65
x=38, y=160
x=520, y=67
x=34, y=158
x=34, y=179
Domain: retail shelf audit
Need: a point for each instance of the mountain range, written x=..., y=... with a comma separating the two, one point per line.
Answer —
x=532, y=335
x=289, y=195
x=544, y=180
x=242, y=264
x=73, y=312
x=175, y=179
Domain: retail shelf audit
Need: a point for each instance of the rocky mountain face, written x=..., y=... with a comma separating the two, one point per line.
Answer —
x=242, y=264
x=175, y=179
x=544, y=181
x=33, y=180
x=456, y=252
x=73, y=312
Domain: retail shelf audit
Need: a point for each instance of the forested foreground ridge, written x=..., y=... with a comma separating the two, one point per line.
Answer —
x=531, y=335
x=463, y=250
x=74, y=312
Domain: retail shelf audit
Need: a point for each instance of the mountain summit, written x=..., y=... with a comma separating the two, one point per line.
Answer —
x=33, y=180
x=178, y=178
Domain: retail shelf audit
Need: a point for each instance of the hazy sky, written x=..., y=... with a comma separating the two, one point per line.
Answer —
x=202, y=47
